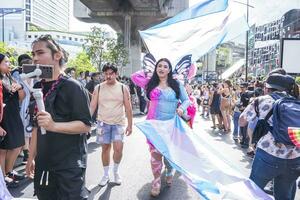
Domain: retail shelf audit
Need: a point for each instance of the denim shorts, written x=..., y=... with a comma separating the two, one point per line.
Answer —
x=106, y=133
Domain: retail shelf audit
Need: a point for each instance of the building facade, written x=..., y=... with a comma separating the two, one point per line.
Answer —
x=49, y=14
x=228, y=54
x=264, y=42
x=41, y=14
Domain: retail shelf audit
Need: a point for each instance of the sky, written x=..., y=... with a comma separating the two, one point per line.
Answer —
x=264, y=11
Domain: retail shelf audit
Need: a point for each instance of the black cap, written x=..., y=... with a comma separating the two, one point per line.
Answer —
x=280, y=82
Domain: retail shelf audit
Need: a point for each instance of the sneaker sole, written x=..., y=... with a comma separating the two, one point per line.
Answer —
x=118, y=183
x=104, y=184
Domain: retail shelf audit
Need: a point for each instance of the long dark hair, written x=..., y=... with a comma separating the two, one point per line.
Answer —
x=154, y=81
x=294, y=91
x=2, y=57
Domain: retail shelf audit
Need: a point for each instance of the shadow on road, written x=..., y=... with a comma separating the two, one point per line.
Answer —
x=18, y=192
x=93, y=146
x=178, y=190
x=102, y=192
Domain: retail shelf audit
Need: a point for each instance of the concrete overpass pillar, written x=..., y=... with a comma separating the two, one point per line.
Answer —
x=133, y=45
x=127, y=31
x=128, y=16
x=134, y=57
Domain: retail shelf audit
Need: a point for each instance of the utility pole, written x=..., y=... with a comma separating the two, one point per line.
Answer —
x=207, y=67
x=247, y=36
x=247, y=41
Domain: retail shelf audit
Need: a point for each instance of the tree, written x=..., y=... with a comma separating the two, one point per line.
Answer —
x=101, y=48
x=223, y=59
x=298, y=80
x=10, y=52
x=82, y=63
x=117, y=53
x=96, y=45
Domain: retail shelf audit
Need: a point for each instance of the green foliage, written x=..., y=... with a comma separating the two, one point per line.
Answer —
x=116, y=51
x=10, y=52
x=298, y=80
x=33, y=27
x=101, y=48
x=95, y=46
x=223, y=59
x=82, y=62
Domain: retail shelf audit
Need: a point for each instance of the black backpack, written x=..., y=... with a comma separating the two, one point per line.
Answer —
x=262, y=126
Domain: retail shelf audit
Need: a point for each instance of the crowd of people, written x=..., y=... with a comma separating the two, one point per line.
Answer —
x=57, y=160
x=223, y=102
x=249, y=107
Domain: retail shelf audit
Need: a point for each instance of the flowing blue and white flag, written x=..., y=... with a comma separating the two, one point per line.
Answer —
x=4, y=193
x=209, y=175
x=196, y=30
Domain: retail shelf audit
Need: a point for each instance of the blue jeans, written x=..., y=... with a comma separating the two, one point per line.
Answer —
x=236, y=117
x=285, y=172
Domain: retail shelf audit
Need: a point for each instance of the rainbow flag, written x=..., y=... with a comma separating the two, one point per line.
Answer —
x=209, y=175
x=294, y=134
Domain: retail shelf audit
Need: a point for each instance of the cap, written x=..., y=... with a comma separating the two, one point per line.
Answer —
x=280, y=82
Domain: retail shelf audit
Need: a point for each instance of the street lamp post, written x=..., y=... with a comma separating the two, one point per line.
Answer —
x=247, y=41
x=247, y=36
x=7, y=11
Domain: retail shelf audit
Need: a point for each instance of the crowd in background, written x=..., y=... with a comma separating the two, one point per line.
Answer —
x=221, y=102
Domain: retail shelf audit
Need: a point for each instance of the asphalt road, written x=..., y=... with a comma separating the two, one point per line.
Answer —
x=136, y=172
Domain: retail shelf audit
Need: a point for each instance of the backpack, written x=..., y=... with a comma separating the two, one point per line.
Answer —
x=262, y=127
x=286, y=114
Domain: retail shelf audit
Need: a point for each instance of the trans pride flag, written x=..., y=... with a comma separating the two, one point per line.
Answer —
x=196, y=30
x=205, y=172
x=4, y=193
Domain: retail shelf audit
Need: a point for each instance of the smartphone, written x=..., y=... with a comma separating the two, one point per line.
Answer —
x=47, y=70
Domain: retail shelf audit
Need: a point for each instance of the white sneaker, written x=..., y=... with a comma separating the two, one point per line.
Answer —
x=104, y=181
x=118, y=179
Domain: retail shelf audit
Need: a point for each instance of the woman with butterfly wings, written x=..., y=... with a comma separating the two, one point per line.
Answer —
x=164, y=93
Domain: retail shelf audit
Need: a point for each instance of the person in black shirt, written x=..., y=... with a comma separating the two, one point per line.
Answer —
x=58, y=158
x=95, y=80
x=244, y=103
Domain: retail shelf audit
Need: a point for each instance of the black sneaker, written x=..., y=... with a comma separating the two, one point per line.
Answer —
x=11, y=183
x=244, y=146
x=15, y=176
x=24, y=162
x=251, y=154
